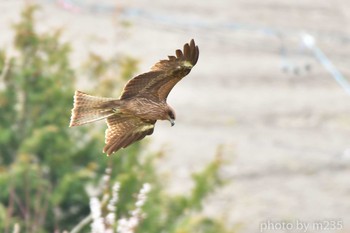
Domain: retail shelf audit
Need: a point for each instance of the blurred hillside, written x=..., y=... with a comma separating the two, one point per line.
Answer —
x=257, y=89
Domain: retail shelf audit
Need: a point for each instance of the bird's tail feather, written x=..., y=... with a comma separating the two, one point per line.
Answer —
x=88, y=108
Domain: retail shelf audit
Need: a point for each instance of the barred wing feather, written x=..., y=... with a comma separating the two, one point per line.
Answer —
x=124, y=130
x=164, y=75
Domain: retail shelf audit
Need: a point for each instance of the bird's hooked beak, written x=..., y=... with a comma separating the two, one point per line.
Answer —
x=172, y=122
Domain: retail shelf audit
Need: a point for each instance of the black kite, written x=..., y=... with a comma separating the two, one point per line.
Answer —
x=142, y=102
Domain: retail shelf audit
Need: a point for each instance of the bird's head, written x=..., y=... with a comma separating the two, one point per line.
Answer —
x=170, y=115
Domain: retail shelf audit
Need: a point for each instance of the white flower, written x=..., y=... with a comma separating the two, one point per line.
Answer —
x=129, y=225
x=97, y=225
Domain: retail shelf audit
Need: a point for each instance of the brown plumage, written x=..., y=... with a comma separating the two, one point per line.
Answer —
x=142, y=102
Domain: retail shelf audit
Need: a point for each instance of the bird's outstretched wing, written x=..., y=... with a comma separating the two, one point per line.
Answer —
x=163, y=75
x=124, y=130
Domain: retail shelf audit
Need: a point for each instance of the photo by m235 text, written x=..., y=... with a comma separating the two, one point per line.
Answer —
x=301, y=226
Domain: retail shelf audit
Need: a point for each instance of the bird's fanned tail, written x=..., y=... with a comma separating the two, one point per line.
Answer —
x=88, y=108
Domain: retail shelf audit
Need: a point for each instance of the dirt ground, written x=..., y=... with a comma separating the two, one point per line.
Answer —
x=282, y=120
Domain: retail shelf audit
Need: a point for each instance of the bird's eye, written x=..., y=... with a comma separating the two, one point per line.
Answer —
x=171, y=115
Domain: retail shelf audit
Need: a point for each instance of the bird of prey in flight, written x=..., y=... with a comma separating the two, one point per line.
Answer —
x=142, y=102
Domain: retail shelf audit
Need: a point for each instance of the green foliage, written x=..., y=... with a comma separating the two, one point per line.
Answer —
x=179, y=212
x=46, y=167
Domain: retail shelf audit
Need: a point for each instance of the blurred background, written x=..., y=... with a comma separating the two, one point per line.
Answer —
x=270, y=93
